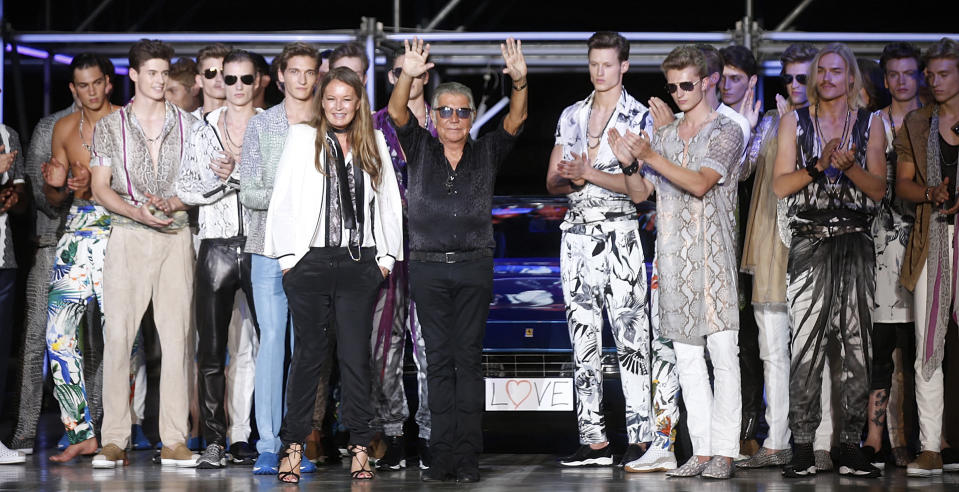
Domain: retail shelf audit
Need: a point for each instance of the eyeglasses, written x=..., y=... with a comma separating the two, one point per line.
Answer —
x=231, y=79
x=447, y=112
x=399, y=71
x=788, y=78
x=685, y=86
x=210, y=73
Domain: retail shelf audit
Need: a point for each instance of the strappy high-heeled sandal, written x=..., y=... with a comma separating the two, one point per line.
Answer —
x=294, y=456
x=365, y=467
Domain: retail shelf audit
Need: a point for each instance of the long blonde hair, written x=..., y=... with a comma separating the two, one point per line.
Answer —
x=853, y=95
x=362, y=138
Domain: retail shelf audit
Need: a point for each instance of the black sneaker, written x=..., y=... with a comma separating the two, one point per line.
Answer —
x=853, y=462
x=803, y=463
x=423, y=449
x=467, y=476
x=877, y=458
x=242, y=454
x=950, y=459
x=395, y=456
x=434, y=475
x=587, y=456
x=633, y=453
x=214, y=456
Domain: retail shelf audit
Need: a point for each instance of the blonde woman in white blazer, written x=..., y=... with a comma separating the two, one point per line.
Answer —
x=335, y=225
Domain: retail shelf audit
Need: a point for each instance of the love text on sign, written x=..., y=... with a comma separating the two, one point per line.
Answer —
x=529, y=394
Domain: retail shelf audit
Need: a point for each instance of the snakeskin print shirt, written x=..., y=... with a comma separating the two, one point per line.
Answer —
x=262, y=148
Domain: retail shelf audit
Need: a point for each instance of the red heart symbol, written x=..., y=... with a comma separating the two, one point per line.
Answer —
x=529, y=391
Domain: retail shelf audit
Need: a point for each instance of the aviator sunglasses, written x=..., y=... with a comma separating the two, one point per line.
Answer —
x=788, y=78
x=210, y=73
x=447, y=112
x=685, y=86
x=231, y=79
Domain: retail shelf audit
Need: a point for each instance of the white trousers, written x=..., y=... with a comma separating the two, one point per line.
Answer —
x=714, y=416
x=773, y=323
x=929, y=394
x=242, y=345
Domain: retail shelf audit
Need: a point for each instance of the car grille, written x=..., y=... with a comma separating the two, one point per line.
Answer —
x=551, y=365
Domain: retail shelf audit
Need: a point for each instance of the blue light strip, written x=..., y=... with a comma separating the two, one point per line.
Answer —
x=182, y=37
x=119, y=63
x=680, y=37
x=855, y=37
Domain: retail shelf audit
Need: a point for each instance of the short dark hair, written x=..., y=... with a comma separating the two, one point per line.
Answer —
x=714, y=59
x=259, y=62
x=89, y=60
x=148, y=49
x=739, y=57
x=898, y=50
x=350, y=50
x=215, y=50
x=609, y=39
x=184, y=71
x=685, y=56
x=798, y=53
x=241, y=56
x=879, y=96
x=297, y=48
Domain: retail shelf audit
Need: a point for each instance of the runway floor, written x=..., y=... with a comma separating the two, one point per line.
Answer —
x=500, y=472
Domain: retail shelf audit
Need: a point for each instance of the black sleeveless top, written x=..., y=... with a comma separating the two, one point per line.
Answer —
x=833, y=199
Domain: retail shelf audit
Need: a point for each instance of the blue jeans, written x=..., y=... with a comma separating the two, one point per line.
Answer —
x=271, y=315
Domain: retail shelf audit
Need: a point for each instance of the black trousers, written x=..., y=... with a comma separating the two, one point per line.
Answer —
x=452, y=302
x=221, y=269
x=884, y=340
x=751, y=368
x=328, y=290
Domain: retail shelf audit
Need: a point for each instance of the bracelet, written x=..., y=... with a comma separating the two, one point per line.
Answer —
x=525, y=83
x=813, y=172
x=575, y=186
x=630, y=169
x=926, y=193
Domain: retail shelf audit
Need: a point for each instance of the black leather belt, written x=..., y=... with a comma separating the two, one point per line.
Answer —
x=450, y=256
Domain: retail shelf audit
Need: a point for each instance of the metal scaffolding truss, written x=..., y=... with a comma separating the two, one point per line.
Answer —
x=461, y=52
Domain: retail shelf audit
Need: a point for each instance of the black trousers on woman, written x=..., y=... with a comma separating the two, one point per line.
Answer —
x=221, y=269
x=452, y=302
x=328, y=290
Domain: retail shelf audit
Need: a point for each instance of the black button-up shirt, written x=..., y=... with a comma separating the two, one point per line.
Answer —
x=451, y=210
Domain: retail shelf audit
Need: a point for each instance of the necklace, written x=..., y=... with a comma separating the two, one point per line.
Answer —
x=845, y=126
x=83, y=142
x=229, y=139
x=892, y=122
x=598, y=138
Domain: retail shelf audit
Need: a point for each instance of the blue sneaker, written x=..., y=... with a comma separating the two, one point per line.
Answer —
x=63, y=443
x=138, y=438
x=307, y=466
x=267, y=464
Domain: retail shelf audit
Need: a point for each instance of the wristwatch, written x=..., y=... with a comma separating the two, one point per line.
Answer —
x=630, y=169
x=575, y=186
x=813, y=172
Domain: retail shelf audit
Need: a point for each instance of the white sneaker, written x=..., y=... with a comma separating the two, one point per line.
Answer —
x=10, y=457
x=655, y=459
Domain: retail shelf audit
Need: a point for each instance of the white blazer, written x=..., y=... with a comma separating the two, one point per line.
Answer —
x=297, y=210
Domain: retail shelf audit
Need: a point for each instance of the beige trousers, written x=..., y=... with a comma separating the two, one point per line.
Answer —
x=141, y=266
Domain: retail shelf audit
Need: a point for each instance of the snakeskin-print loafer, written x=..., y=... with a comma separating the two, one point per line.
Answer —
x=691, y=468
x=720, y=467
x=767, y=457
x=823, y=461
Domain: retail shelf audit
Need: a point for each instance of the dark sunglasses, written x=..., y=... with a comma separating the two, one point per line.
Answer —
x=210, y=73
x=447, y=112
x=399, y=71
x=788, y=78
x=231, y=79
x=685, y=86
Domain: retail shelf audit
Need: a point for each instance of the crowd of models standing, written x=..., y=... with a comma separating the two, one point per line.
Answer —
x=833, y=213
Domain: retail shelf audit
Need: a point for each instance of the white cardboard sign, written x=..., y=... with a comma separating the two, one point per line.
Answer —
x=529, y=394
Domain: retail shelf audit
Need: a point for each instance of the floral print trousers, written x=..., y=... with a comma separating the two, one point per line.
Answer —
x=77, y=279
x=602, y=267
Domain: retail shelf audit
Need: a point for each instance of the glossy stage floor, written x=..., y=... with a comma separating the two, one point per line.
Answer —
x=499, y=472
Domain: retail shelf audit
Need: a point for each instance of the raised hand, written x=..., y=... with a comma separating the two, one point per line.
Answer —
x=620, y=147
x=513, y=56
x=6, y=159
x=414, y=61
x=662, y=114
x=782, y=105
x=827, y=154
x=54, y=172
x=751, y=110
x=223, y=166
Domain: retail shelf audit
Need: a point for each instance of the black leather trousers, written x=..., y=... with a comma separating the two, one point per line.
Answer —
x=221, y=269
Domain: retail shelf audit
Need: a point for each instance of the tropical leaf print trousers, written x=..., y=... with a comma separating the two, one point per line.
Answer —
x=602, y=267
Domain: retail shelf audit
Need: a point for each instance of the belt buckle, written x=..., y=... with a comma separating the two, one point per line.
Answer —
x=449, y=257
